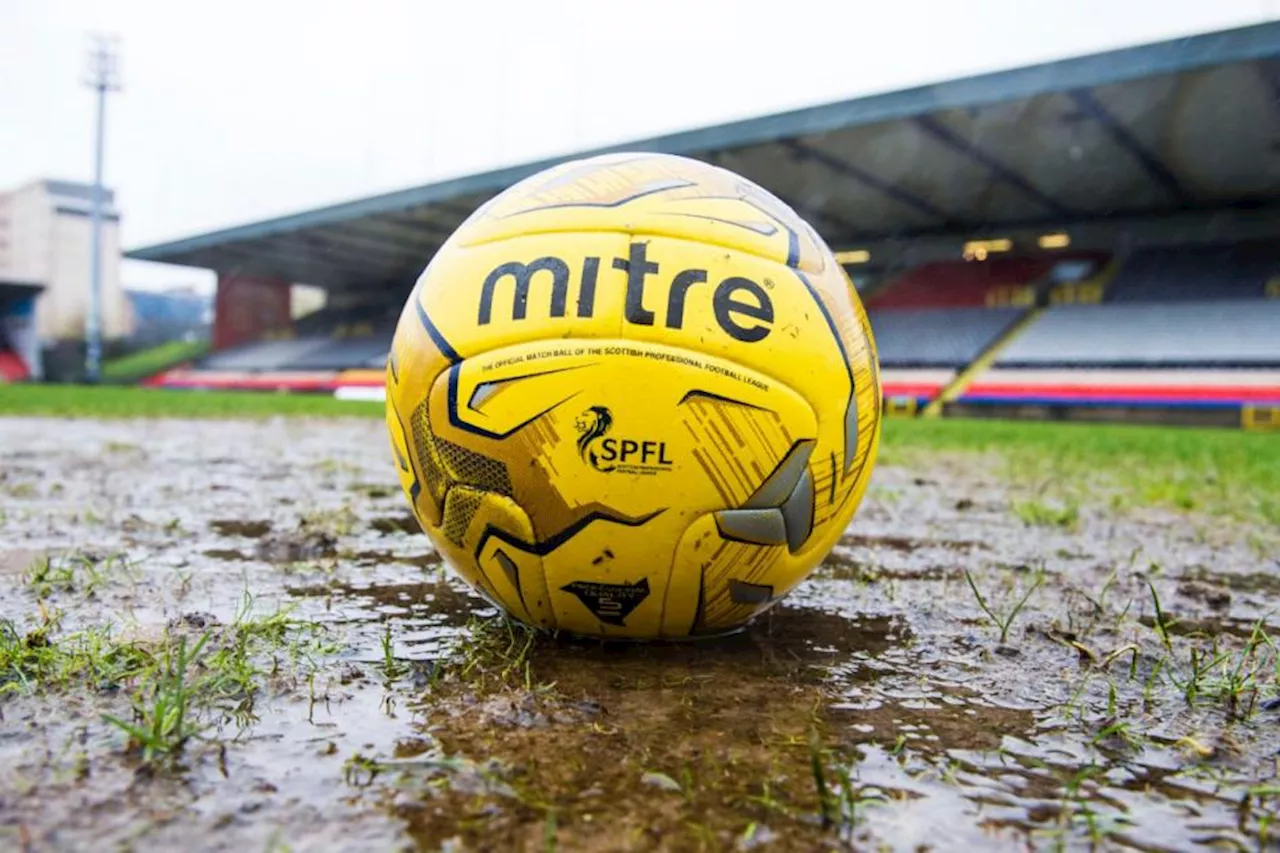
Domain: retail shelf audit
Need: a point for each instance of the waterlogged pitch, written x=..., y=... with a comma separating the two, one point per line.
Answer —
x=230, y=635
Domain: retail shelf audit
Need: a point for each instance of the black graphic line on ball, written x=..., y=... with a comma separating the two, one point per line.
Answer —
x=436, y=337
x=415, y=489
x=851, y=408
x=452, y=405
x=698, y=394
x=512, y=571
x=543, y=547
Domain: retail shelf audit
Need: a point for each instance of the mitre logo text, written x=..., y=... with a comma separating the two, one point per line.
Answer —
x=742, y=307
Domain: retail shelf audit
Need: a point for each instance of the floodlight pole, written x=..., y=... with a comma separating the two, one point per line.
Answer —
x=102, y=78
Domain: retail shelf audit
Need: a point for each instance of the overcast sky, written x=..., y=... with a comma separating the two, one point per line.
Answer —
x=238, y=110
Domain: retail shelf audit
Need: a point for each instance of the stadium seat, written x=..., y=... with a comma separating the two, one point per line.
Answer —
x=12, y=368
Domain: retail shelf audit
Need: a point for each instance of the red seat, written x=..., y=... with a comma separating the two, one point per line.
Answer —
x=953, y=284
x=12, y=368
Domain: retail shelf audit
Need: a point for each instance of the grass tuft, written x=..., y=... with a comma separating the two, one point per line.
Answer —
x=1003, y=622
x=163, y=723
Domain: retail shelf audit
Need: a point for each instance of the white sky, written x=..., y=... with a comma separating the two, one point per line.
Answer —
x=238, y=110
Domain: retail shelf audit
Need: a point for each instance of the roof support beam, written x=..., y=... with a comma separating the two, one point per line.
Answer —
x=1089, y=105
x=271, y=260
x=1269, y=71
x=805, y=152
x=459, y=209
x=414, y=234
x=319, y=248
x=355, y=238
x=418, y=224
x=948, y=137
x=819, y=217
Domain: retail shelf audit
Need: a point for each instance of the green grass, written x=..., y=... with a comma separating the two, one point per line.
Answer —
x=40, y=658
x=148, y=362
x=178, y=686
x=1218, y=471
x=114, y=402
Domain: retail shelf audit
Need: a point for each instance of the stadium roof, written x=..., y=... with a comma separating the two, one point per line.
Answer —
x=1189, y=125
x=15, y=288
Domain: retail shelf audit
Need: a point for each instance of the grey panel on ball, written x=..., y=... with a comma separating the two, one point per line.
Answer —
x=782, y=482
x=797, y=512
x=850, y=432
x=509, y=568
x=757, y=526
x=742, y=592
x=483, y=392
x=781, y=510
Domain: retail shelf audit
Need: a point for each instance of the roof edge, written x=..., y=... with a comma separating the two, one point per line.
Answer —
x=1186, y=53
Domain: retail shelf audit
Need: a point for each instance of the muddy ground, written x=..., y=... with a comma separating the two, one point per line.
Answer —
x=229, y=636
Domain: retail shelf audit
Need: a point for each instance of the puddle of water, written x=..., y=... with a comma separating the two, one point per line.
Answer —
x=1266, y=582
x=404, y=523
x=428, y=560
x=906, y=544
x=225, y=554
x=1182, y=626
x=233, y=527
x=296, y=547
x=879, y=714
x=840, y=565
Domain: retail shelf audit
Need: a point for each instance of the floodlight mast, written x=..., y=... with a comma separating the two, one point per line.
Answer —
x=101, y=75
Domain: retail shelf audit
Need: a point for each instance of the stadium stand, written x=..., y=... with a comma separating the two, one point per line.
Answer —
x=263, y=355
x=364, y=352
x=933, y=320
x=1140, y=270
x=921, y=349
x=1173, y=334
x=1178, y=273
x=1185, y=327
x=938, y=337
x=311, y=355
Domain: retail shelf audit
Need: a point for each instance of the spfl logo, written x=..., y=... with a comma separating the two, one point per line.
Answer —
x=607, y=453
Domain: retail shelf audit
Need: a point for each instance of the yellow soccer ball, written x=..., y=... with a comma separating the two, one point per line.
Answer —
x=634, y=396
